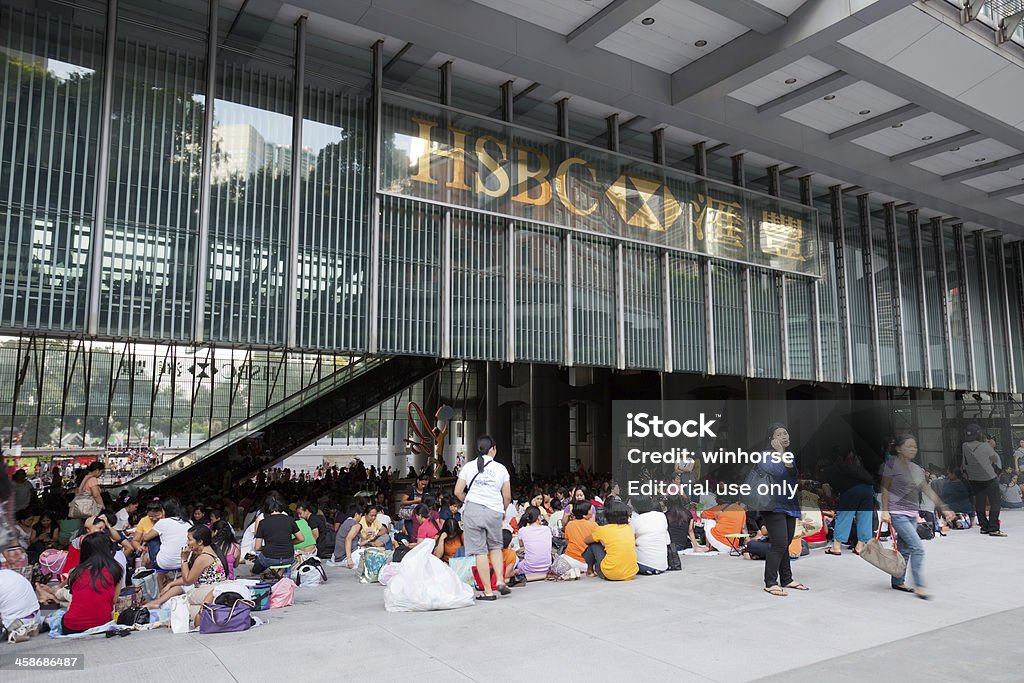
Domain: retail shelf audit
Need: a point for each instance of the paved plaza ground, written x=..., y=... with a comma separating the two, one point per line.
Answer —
x=710, y=622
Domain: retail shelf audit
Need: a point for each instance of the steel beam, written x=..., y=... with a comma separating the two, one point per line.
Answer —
x=746, y=12
x=808, y=93
x=876, y=123
x=937, y=147
x=614, y=16
x=1004, y=164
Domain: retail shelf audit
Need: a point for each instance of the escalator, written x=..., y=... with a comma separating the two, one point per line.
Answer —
x=287, y=426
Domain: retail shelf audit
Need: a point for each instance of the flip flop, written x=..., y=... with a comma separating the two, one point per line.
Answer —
x=488, y=598
x=797, y=586
x=905, y=589
x=776, y=591
x=504, y=590
x=832, y=552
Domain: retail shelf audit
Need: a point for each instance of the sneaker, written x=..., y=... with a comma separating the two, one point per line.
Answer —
x=999, y=533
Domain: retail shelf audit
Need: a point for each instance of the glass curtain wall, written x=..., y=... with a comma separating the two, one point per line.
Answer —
x=730, y=326
x=858, y=291
x=934, y=297
x=885, y=294
x=689, y=326
x=251, y=183
x=539, y=291
x=832, y=335
x=51, y=65
x=910, y=312
x=955, y=287
x=979, y=340
x=479, y=293
x=800, y=327
x=336, y=182
x=594, y=302
x=765, y=323
x=155, y=171
x=641, y=281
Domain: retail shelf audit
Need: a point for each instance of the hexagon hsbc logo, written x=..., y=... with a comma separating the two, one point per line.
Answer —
x=644, y=203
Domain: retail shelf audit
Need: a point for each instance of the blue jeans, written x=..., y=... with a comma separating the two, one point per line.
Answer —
x=911, y=548
x=855, y=504
x=263, y=563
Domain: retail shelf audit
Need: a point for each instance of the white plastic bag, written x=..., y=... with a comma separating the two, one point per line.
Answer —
x=425, y=583
x=388, y=572
x=181, y=620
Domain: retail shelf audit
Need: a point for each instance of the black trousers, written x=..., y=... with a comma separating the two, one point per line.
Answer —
x=780, y=526
x=987, y=493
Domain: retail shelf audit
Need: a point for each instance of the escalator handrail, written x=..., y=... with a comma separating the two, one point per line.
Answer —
x=253, y=423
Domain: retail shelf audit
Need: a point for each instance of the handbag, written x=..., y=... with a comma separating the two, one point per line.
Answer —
x=261, y=596
x=406, y=512
x=220, y=619
x=83, y=505
x=757, y=479
x=888, y=560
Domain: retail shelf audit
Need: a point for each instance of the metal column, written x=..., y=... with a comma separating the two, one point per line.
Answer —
x=295, y=211
x=102, y=173
x=510, y=301
x=206, y=190
x=780, y=285
x=620, y=308
x=445, y=322
x=666, y=312
x=986, y=308
x=895, y=274
x=839, y=241
x=658, y=145
x=807, y=199
x=914, y=219
x=700, y=158
x=569, y=350
x=1004, y=287
x=965, y=305
x=373, y=278
x=748, y=323
x=947, y=328
x=709, y=316
x=739, y=177
x=867, y=256
x=562, y=112
x=774, y=181
x=613, y=132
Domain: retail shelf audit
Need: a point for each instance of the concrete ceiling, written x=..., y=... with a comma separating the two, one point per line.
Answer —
x=895, y=96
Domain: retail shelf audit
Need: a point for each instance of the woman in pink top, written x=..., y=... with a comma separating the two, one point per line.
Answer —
x=535, y=538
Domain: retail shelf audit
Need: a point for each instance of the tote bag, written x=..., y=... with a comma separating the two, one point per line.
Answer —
x=888, y=560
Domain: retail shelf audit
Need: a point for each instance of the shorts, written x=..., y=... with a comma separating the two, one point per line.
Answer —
x=481, y=529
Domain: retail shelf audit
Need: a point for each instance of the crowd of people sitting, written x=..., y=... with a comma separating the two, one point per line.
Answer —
x=531, y=528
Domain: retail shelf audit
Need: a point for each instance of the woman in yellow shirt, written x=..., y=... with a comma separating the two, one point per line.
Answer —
x=611, y=549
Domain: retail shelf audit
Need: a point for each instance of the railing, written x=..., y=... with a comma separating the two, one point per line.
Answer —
x=240, y=431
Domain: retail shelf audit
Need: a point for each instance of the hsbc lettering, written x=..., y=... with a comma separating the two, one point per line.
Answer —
x=477, y=164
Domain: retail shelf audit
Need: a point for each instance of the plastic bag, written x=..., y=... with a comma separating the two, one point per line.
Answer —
x=181, y=620
x=463, y=568
x=388, y=572
x=425, y=583
x=282, y=594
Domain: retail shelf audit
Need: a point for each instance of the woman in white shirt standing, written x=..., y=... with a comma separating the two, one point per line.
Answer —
x=650, y=526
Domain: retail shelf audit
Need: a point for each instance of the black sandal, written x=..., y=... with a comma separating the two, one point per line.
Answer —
x=488, y=598
x=504, y=589
x=905, y=589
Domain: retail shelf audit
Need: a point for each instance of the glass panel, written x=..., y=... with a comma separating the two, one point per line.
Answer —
x=410, y=277
x=997, y=306
x=858, y=291
x=885, y=291
x=642, y=308
x=156, y=172
x=726, y=283
x=764, y=304
x=593, y=302
x=539, y=303
x=49, y=125
x=980, y=340
x=934, y=300
x=479, y=246
x=909, y=308
x=1016, y=320
x=251, y=193
x=832, y=341
x=334, y=221
x=957, y=324
x=800, y=326
x=689, y=327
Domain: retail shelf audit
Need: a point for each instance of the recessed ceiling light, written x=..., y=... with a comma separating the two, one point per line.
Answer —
x=864, y=112
x=955, y=149
x=790, y=81
x=647, y=21
x=979, y=160
x=897, y=125
x=927, y=137
x=701, y=43
x=828, y=98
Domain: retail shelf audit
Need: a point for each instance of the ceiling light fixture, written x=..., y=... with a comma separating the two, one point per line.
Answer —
x=828, y=98
x=647, y=21
x=979, y=160
x=701, y=43
x=864, y=112
x=790, y=81
x=955, y=149
x=926, y=138
x=897, y=125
